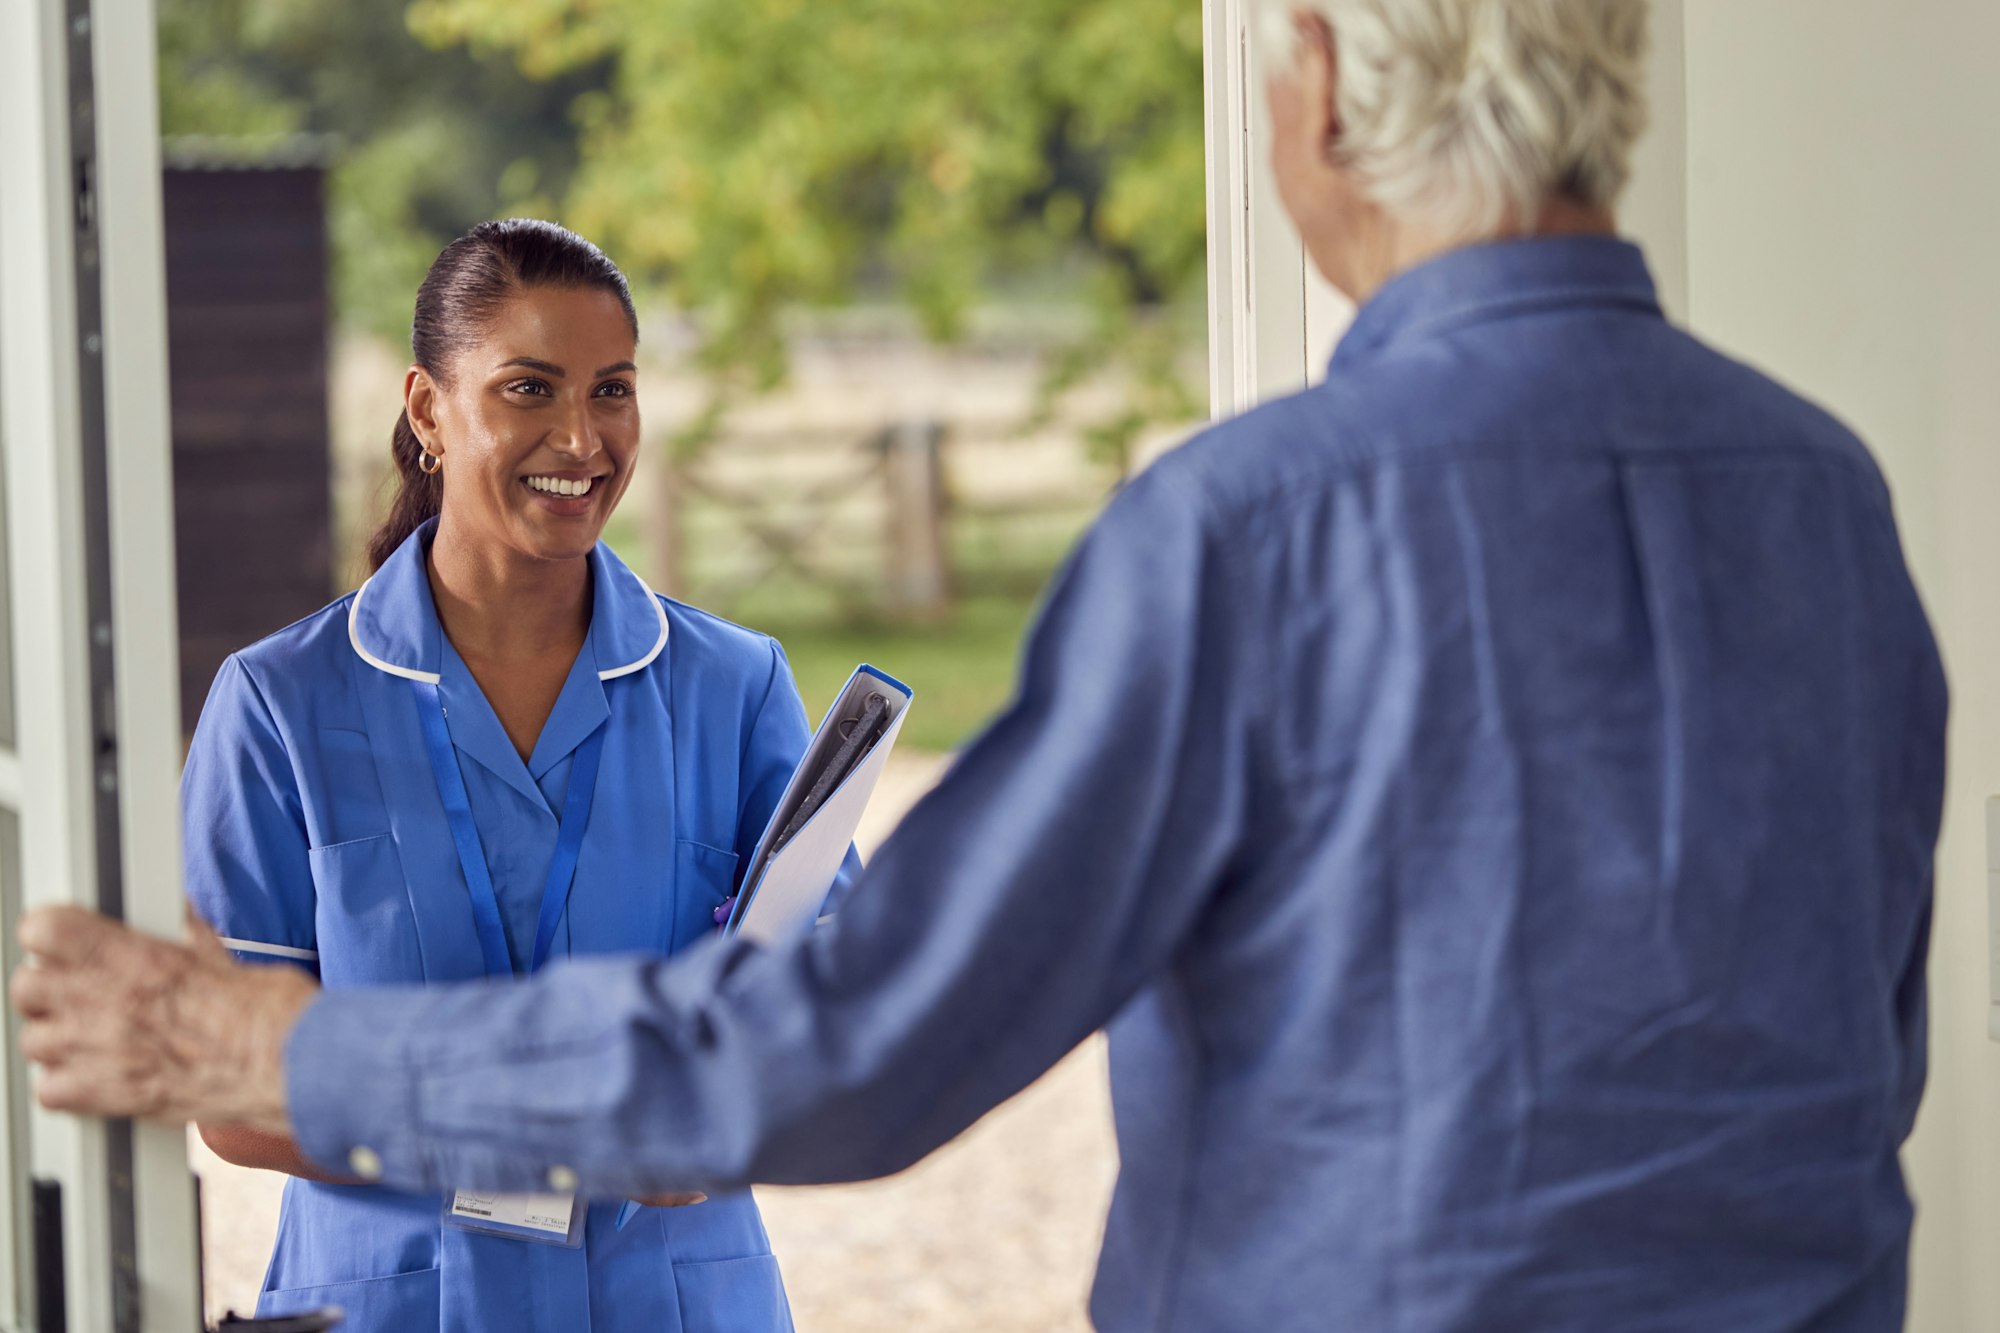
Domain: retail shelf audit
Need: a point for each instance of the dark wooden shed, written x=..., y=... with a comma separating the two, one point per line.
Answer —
x=248, y=327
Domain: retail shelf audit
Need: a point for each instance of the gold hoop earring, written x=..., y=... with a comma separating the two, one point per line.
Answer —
x=430, y=464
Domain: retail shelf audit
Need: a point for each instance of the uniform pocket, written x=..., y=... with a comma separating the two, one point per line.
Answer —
x=371, y=1304
x=344, y=788
x=733, y=1296
x=362, y=918
x=704, y=877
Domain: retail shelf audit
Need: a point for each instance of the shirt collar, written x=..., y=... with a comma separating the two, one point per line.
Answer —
x=1498, y=278
x=392, y=622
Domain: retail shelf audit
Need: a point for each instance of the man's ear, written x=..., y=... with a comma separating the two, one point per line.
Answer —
x=420, y=396
x=1318, y=59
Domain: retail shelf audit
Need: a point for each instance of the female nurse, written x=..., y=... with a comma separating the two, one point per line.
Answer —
x=503, y=749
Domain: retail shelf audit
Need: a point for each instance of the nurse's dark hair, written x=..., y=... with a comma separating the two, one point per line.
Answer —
x=467, y=287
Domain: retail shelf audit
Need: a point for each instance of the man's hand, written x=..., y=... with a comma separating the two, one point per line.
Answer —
x=124, y=1024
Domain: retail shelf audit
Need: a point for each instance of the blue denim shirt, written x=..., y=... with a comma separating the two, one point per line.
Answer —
x=1491, y=796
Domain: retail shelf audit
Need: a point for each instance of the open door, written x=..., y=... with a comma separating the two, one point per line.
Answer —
x=99, y=1228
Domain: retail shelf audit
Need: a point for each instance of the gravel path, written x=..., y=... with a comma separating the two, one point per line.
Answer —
x=996, y=1233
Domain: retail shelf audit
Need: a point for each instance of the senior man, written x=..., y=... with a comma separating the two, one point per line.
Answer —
x=1494, y=793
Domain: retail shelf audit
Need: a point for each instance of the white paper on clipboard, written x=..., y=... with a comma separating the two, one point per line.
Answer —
x=794, y=883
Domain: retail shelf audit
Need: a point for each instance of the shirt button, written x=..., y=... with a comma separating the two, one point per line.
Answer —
x=562, y=1180
x=366, y=1163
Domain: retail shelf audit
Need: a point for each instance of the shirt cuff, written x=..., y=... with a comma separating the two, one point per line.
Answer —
x=423, y=1088
x=351, y=1085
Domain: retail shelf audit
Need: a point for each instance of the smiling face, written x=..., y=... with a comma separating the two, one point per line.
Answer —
x=537, y=422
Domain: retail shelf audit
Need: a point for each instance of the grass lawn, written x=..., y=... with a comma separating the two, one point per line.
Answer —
x=961, y=667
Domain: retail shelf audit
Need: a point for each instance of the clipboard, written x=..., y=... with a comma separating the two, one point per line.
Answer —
x=802, y=848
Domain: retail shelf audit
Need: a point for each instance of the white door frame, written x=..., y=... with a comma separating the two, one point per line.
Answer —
x=1256, y=265
x=89, y=529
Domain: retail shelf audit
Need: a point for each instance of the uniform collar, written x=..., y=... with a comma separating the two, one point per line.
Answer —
x=392, y=622
x=1500, y=278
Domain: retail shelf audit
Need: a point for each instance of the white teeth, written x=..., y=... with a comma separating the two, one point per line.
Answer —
x=561, y=486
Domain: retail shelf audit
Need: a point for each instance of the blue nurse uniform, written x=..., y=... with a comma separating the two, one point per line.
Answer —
x=315, y=833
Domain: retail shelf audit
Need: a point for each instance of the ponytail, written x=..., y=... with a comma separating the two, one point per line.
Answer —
x=419, y=495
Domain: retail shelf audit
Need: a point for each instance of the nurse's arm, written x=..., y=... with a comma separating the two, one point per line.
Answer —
x=265, y=1151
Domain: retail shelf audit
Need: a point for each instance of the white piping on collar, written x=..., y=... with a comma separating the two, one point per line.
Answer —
x=354, y=637
x=659, y=644
x=433, y=678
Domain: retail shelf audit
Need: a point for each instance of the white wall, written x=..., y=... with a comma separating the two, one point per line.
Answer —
x=1654, y=209
x=1843, y=232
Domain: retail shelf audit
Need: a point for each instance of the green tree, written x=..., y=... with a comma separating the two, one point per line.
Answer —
x=747, y=157
x=427, y=142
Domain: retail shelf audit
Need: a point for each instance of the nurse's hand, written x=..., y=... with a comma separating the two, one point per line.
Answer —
x=125, y=1024
x=670, y=1200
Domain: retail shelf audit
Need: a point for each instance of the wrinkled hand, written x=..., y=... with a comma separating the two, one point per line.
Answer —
x=125, y=1024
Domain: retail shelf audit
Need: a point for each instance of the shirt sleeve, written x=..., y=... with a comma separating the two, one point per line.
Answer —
x=771, y=753
x=1054, y=872
x=243, y=826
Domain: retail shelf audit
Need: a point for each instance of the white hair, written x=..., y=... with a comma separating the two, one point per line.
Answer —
x=1456, y=113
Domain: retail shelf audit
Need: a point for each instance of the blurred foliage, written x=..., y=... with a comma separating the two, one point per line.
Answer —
x=746, y=158
x=430, y=141
x=752, y=156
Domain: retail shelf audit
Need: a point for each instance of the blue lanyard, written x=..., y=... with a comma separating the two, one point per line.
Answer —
x=472, y=858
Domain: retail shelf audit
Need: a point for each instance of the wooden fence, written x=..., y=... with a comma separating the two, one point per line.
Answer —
x=868, y=521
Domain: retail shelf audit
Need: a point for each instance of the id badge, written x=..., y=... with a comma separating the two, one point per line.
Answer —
x=541, y=1219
